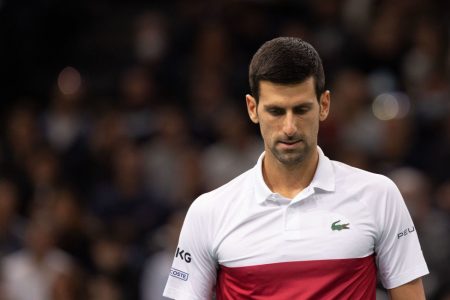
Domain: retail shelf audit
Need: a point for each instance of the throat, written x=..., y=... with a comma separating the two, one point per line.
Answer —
x=285, y=185
x=289, y=182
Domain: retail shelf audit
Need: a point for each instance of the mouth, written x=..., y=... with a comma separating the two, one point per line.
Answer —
x=289, y=143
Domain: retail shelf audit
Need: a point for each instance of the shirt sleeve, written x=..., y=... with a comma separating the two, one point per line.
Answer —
x=193, y=273
x=398, y=253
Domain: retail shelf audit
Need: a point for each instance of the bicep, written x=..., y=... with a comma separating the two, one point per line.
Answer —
x=412, y=290
x=193, y=271
x=399, y=256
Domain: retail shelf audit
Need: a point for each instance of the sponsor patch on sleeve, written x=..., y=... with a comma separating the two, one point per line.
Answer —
x=179, y=274
x=405, y=232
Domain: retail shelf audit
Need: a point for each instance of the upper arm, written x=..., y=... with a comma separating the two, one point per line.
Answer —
x=412, y=290
x=399, y=256
x=193, y=272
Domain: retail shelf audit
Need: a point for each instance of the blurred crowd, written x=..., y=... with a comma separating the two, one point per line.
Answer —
x=117, y=115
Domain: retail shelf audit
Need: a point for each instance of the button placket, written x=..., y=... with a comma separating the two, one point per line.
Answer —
x=292, y=214
x=290, y=218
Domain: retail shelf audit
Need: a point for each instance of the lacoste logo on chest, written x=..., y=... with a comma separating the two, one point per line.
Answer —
x=339, y=227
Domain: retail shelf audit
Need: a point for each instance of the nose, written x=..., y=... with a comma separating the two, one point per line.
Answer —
x=289, y=126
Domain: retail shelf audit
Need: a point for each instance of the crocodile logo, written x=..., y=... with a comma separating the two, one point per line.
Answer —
x=339, y=227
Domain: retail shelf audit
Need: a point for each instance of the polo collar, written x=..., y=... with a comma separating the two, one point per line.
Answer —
x=323, y=178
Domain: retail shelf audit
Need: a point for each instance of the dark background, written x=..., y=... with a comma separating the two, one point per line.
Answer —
x=105, y=170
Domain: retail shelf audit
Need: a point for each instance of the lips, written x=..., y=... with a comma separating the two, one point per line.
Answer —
x=290, y=142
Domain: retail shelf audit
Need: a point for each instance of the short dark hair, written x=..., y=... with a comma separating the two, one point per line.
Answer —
x=286, y=60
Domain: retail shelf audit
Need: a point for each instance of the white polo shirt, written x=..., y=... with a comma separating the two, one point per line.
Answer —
x=241, y=241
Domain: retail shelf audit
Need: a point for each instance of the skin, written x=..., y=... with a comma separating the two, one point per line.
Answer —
x=412, y=290
x=289, y=118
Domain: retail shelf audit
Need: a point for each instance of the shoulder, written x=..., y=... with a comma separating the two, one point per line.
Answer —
x=376, y=192
x=225, y=194
x=352, y=177
x=211, y=210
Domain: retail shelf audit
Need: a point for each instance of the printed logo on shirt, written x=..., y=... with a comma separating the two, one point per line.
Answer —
x=179, y=274
x=184, y=255
x=405, y=232
x=339, y=227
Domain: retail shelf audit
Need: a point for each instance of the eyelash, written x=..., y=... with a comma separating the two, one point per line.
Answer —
x=275, y=112
x=302, y=111
x=279, y=112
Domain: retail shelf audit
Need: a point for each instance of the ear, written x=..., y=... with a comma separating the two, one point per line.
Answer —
x=325, y=100
x=252, y=108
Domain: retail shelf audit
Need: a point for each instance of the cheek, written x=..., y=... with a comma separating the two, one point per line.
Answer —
x=262, y=129
x=266, y=130
x=311, y=122
x=314, y=127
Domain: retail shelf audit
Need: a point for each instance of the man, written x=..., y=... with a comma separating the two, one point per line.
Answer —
x=297, y=225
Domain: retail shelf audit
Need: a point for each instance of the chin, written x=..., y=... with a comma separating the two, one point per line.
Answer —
x=291, y=159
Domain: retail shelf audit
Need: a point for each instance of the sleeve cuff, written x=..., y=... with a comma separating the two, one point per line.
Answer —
x=405, y=277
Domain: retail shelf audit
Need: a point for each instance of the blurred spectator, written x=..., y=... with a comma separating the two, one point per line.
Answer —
x=72, y=225
x=352, y=124
x=443, y=197
x=236, y=150
x=328, y=37
x=433, y=95
x=22, y=135
x=64, y=123
x=211, y=49
x=153, y=115
x=208, y=98
x=104, y=288
x=426, y=53
x=191, y=179
x=431, y=143
x=31, y=273
x=163, y=155
x=44, y=174
x=11, y=223
x=20, y=140
x=356, y=16
x=122, y=202
x=396, y=142
x=112, y=275
x=108, y=131
x=151, y=37
x=158, y=264
x=137, y=100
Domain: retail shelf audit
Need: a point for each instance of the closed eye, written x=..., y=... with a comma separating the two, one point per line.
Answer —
x=302, y=109
x=275, y=111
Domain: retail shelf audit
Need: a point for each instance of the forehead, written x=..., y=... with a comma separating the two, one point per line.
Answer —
x=284, y=94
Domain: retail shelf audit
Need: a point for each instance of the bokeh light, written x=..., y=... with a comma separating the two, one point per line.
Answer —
x=388, y=106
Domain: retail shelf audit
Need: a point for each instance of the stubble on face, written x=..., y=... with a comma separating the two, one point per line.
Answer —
x=294, y=156
x=289, y=116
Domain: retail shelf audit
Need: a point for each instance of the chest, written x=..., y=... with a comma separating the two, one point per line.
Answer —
x=317, y=228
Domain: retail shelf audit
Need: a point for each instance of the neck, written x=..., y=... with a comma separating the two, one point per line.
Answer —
x=288, y=181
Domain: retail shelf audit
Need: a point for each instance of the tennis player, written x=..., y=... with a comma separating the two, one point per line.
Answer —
x=297, y=225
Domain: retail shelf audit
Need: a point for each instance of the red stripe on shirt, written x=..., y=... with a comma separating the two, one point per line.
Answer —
x=318, y=279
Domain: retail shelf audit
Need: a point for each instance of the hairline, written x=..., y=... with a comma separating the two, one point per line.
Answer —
x=258, y=87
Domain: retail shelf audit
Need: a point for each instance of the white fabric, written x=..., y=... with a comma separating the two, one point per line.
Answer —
x=26, y=279
x=243, y=224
